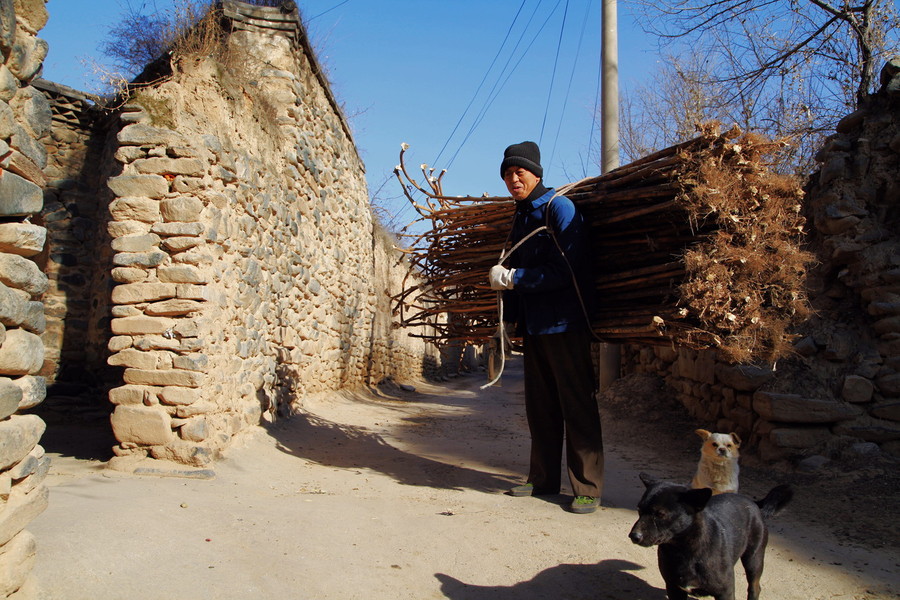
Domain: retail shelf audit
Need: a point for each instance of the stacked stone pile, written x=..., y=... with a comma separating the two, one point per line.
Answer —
x=24, y=120
x=840, y=393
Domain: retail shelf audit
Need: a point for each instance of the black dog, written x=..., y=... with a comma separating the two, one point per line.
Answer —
x=701, y=536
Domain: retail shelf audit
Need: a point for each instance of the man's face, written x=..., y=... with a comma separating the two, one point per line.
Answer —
x=520, y=182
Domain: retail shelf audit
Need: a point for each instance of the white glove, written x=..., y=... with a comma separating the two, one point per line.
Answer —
x=501, y=278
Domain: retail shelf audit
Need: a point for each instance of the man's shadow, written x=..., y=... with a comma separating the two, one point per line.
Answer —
x=606, y=580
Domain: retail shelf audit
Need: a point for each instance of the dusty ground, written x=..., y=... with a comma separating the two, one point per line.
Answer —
x=399, y=496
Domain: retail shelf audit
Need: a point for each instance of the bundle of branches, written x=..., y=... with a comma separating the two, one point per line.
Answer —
x=697, y=245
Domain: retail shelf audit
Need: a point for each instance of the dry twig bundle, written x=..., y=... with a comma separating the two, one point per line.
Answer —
x=697, y=245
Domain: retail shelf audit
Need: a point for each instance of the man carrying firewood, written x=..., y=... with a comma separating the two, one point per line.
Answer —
x=545, y=301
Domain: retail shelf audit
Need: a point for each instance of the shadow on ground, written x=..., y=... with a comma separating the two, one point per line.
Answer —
x=608, y=579
x=347, y=447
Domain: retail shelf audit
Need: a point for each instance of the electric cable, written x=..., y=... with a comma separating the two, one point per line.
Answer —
x=562, y=29
x=496, y=93
x=483, y=79
x=562, y=113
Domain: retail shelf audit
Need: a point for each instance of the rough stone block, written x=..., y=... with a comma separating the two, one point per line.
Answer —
x=35, y=321
x=192, y=362
x=182, y=274
x=136, y=359
x=184, y=209
x=142, y=425
x=799, y=437
x=192, y=292
x=124, y=226
x=889, y=385
x=181, y=243
x=34, y=390
x=12, y=307
x=146, y=260
x=887, y=325
x=119, y=342
x=178, y=229
x=133, y=394
x=31, y=15
x=141, y=325
x=146, y=186
x=195, y=429
x=16, y=562
x=886, y=410
x=27, y=57
x=173, y=307
x=792, y=408
x=136, y=243
x=143, y=292
x=869, y=429
x=23, y=274
x=10, y=397
x=24, y=239
x=19, y=434
x=140, y=134
x=167, y=377
x=170, y=166
x=22, y=353
x=179, y=396
x=744, y=378
x=129, y=274
x=7, y=26
x=857, y=389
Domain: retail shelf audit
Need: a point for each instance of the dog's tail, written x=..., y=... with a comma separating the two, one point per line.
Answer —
x=775, y=500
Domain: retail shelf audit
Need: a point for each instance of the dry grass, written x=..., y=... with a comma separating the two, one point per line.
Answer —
x=747, y=281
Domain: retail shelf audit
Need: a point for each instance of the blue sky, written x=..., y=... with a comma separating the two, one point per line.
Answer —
x=420, y=72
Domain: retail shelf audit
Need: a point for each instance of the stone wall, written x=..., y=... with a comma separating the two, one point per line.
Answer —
x=840, y=393
x=249, y=270
x=77, y=299
x=24, y=121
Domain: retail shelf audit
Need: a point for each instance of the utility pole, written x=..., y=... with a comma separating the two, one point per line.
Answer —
x=608, y=364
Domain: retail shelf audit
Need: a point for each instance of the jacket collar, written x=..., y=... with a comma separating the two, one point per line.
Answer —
x=538, y=196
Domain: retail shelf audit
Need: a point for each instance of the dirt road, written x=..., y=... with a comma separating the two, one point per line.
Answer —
x=399, y=496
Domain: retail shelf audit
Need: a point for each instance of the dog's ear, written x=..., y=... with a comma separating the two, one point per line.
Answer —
x=736, y=439
x=703, y=434
x=696, y=499
x=648, y=479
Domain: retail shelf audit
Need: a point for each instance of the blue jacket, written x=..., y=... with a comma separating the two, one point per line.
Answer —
x=544, y=299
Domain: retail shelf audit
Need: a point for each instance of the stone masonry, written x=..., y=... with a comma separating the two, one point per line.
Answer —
x=248, y=269
x=840, y=393
x=24, y=121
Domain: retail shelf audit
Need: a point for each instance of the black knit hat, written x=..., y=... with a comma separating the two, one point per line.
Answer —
x=526, y=155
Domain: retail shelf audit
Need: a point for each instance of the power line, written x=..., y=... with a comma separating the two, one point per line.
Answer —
x=562, y=113
x=562, y=29
x=498, y=86
x=483, y=79
x=325, y=12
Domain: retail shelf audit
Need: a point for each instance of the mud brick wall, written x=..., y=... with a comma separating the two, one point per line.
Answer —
x=24, y=121
x=249, y=270
x=840, y=394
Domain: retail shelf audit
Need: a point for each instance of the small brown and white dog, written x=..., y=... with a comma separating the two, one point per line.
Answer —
x=718, y=467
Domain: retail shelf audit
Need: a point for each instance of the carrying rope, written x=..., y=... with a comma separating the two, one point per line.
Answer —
x=502, y=335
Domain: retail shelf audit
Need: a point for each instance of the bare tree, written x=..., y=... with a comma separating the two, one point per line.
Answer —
x=787, y=68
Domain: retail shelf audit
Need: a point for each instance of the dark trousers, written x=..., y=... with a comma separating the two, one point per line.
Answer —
x=560, y=404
